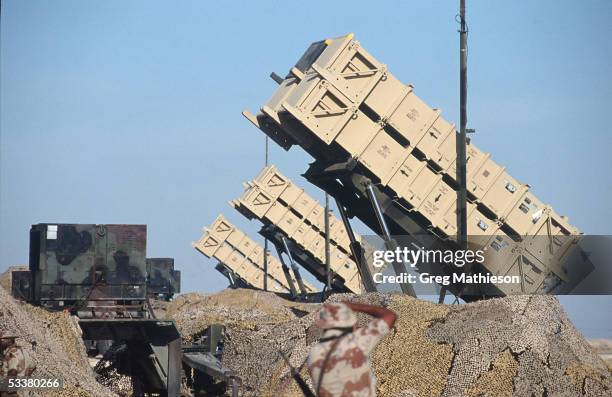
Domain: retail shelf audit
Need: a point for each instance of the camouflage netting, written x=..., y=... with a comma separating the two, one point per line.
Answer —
x=511, y=346
x=603, y=347
x=239, y=309
x=116, y=382
x=53, y=343
x=501, y=347
x=5, y=280
x=549, y=356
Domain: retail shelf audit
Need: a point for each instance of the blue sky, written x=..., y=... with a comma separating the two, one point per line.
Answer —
x=129, y=112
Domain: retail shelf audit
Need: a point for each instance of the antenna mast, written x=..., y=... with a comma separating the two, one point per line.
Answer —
x=462, y=143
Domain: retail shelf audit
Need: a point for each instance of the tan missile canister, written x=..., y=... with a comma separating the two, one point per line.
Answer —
x=413, y=181
x=301, y=222
x=503, y=194
x=230, y=246
x=347, y=105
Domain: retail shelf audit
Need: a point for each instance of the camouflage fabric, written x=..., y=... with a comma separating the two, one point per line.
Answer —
x=336, y=315
x=15, y=362
x=348, y=372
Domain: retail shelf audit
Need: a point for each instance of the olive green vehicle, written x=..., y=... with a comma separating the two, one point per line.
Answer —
x=163, y=281
x=71, y=264
x=100, y=273
x=74, y=263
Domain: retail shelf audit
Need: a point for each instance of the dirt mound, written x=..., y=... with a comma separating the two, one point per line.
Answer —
x=500, y=347
x=53, y=343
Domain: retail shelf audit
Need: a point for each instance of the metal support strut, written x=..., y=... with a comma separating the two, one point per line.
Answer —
x=292, y=290
x=390, y=243
x=442, y=295
x=265, y=264
x=328, y=279
x=357, y=251
x=296, y=270
x=230, y=277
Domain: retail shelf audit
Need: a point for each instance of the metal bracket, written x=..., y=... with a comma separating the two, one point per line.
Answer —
x=298, y=74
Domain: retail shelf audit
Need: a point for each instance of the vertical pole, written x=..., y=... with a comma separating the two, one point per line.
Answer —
x=327, y=249
x=265, y=280
x=462, y=237
x=462, y=142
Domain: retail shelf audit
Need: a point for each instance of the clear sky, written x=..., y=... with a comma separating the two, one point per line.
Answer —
x=129, y=112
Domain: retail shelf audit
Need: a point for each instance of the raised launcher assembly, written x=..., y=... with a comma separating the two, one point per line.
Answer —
x=163, y=281
x=391, y=161
x=241, y=259
x=295, y=223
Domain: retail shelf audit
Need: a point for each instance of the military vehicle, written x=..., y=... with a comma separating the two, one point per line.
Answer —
x=163, y=281
x=89, y=269
x=99, y=273
x=390, y=160
x=73, y=263
x=21, y=281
